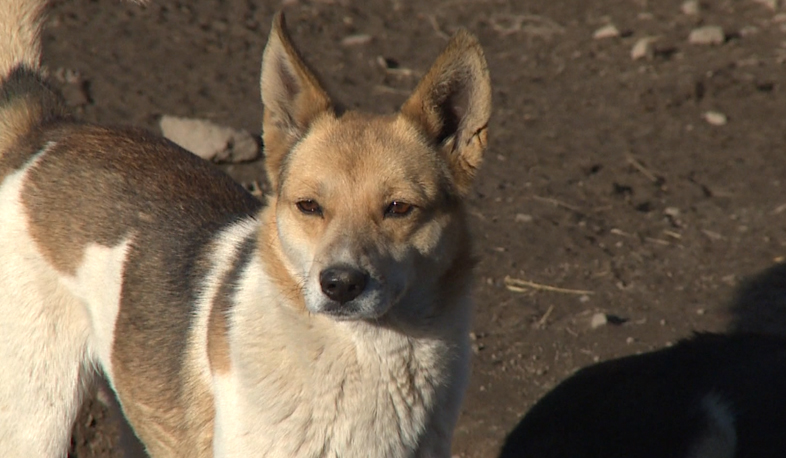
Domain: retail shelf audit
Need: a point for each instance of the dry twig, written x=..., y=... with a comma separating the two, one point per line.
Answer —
x=519, y=283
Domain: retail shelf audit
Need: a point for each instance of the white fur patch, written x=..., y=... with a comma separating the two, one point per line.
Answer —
x=224, y=253
x=43, y=339
x=720, y=438
x=306, y=385
x=97, y=283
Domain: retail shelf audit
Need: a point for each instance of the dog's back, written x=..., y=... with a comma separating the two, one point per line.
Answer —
x=79, y=203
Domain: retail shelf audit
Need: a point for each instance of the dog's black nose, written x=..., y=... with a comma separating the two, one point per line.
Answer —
x=343, y=283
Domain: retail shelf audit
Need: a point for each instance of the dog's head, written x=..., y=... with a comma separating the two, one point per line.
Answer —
x=368, y=207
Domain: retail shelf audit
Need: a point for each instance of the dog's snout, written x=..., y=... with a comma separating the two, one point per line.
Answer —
x=343, y=283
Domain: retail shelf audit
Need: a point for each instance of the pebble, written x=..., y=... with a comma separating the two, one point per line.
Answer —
x=748, y=30
x=356, y=40
x=607, y=31
x=707, y=35
x=209, y=140
x=523, y=218
x=690, y=7
x=643, y=48
x=771, y=4
x=598, y=320
x=716, y=118
x=671, y=211
x=76, y=94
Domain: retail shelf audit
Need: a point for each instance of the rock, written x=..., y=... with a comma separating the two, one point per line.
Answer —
x=771, y=4
x=690, y=7
x=76, y=94
x=716, y=118
x=748, y=30
x=607, y=31
x=356, y=40
x=209, y=140
x=644, y=48
x=671, y=211
x=707, y=35
x=523, y=218
x=598, y=320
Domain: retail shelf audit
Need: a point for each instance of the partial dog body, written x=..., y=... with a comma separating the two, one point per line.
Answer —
x=331, y=322
x=711, y=396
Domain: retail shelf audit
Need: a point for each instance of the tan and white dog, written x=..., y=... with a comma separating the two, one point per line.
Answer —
x=332, y=322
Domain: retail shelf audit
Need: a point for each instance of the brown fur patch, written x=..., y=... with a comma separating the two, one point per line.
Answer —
x=26, y=104
x=271, y=255
x=100, y=186
x=17, y=118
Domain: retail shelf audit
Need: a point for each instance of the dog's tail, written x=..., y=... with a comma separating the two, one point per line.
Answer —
x=25, y=100
x=21, y=22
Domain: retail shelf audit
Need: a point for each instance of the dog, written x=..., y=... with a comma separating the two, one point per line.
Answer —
x=710, y=396
x=332, y=321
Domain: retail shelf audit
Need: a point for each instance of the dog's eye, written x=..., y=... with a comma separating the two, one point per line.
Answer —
x=398, y=208
x=309, y=207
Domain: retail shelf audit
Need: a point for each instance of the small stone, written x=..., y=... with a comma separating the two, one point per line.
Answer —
x=209, y=140
x=584, y=299
x=523, y=218
x=771, y=4
x=643, y=48
x=598, y=320
x=630, y=340
x=690, y=7
x=716, y=118
x=671, y=211
x=607, y=31
x=707, y=35
x=356, y=40
x=748, y=30
x=76, y=95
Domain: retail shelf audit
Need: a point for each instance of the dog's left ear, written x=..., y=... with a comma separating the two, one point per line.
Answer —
x=452, y=106
x=292, y=96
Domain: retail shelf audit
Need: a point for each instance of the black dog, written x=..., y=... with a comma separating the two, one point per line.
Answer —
x=711, y=396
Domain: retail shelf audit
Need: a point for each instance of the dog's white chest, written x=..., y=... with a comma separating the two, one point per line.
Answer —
x=344, y=407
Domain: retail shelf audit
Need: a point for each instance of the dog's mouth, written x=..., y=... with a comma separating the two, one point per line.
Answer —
x=343, y=312
x=348, y=293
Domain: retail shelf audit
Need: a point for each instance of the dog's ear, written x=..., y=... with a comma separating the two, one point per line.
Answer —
x=452, y=106
x=292, y=97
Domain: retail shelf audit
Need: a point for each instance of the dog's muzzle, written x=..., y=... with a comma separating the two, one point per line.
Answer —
x=343, y=283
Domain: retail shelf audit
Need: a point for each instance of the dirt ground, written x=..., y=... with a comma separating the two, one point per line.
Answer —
x=604, y=177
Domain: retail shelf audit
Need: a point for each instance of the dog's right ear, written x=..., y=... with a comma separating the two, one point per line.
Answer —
x=452, y=104
x=292, y=97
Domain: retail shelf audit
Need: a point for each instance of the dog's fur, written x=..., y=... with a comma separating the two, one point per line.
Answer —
x=711, y=396
x=222, y=325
